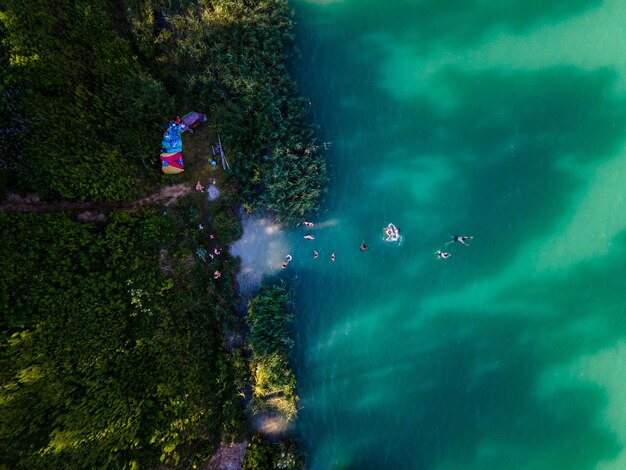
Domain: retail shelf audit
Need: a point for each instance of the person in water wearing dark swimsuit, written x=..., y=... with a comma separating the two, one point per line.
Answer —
x=442, y=254
x=332, y=257
x=315, y=254
x=363, y=246
x=460, y=238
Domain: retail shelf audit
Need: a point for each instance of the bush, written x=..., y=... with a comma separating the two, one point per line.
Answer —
x=273, y=382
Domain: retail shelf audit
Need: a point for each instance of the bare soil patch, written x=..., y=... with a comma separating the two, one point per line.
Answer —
x=91, y=211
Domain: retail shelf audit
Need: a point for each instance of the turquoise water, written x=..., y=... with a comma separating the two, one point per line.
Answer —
x=498, y=119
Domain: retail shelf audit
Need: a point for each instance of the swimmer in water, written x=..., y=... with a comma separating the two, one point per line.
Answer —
x=363, y=246
x=307, y=224
x=309, y=237
x=461, y=239
x=315, y=254
x=288, y=258
x=332, y=257
x=442, y=254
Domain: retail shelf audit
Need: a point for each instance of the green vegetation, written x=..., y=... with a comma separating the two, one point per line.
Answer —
x=263, y=454
x=229, y=56
x=90, y=115
x=107, y=358
x=112, y=351
x=273, y=382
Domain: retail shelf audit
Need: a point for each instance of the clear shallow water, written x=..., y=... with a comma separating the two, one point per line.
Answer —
x=503, y=120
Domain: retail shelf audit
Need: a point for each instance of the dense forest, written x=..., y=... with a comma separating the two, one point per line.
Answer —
x=112, y=346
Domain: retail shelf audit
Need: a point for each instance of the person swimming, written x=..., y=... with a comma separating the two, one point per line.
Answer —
x=461, y=239
x=363, y=246
x=332, y=257
x=315, y=254
x=307, y=224
x=442, y=254
x=309, y=237
x=285, y=263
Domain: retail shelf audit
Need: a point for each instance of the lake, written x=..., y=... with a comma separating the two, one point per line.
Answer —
x=500, y=120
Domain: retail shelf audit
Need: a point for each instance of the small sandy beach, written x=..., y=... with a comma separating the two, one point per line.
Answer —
x=262, y=249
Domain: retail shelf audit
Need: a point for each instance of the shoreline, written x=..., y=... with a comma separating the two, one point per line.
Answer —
x=158, y=274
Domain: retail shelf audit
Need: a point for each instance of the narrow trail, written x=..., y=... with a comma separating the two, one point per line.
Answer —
x=92, y=211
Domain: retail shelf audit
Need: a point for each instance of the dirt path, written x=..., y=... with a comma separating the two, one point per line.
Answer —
x=228, y=457
x=92, y=211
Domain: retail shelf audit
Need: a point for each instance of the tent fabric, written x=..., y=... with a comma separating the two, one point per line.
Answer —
x=170, y=170
x=172, y=141
x=172, y=163
x=192, y=119
x=172, y=150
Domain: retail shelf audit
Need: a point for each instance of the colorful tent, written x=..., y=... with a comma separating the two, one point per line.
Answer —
x=172, y=150
x=172, y=141
x=172, y=163
x=192, y=119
